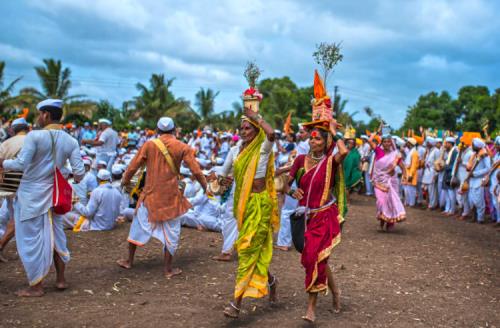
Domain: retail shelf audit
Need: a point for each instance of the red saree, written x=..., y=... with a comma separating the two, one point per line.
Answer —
x=323, y=229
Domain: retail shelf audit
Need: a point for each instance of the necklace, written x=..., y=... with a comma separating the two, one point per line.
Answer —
x=316, y=158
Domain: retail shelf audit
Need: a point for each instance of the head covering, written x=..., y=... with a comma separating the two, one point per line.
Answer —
x=86, y=124
x=478, y=143
x=103, y=175
x=49, y=103
x=277, y=131
x=19, y=121
x=104, y=121
x=386, y=136
x=219, y=161
x=101, y=162
x=364, y=137
x=87, y=161
x=438, y=140
x=450, y=140
x=430, y=141
x=321, y=106
x=419, y=140
x=165, y=124
x=116, y=169
x=412, y=141
x=399, y=142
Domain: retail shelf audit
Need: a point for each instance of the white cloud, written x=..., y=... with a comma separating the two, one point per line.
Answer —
x=11, y=53
x=440, y=63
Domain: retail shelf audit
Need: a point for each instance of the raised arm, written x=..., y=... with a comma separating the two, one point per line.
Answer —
x=342, y=149
x=268, y=130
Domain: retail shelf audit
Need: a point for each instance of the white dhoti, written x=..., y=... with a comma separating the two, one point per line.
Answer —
x=432, y=194
x=476, y=198
x=285, y=232
x=229, y=226
x=410, y=195
x=441, y=191
x=463, y=202
x=450, y=200
x=36, y=240
x=167, y=232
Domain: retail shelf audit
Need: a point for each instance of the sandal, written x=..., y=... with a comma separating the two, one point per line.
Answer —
x=230, y=311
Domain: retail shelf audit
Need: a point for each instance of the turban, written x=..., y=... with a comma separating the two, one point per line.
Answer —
x=478, y=143
x=20, y=121
x=104, y=121
x=103, y=175
x=450, y=140
x=412, y=141
x=49, y=103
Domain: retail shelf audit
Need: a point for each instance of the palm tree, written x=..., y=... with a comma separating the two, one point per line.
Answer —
x=56, y=83
x=205, y=100
x=157, y=100
x=7, y=101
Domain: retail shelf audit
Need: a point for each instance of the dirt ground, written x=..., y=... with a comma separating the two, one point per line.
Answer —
x=430, y=272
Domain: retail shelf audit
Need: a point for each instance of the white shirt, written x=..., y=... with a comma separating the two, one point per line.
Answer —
x=86, y=186
x=303, y=147
x=429, y=172
x=36, y=161
x=265, y=151
x=110, y=139
x=103, y=207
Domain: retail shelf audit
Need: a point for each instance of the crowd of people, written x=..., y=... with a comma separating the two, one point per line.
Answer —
x=251, y=184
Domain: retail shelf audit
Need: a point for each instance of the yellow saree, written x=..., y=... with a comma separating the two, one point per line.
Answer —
x=257, y=216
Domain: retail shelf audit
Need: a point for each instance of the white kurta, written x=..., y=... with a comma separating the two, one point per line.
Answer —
x=103, y=207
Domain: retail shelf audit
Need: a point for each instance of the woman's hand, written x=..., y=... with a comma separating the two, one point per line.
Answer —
x=250, y=114
x=298, y=194
x=334, y=125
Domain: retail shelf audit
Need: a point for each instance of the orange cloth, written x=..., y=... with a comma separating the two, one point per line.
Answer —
x=161, y=194
x=412, y=170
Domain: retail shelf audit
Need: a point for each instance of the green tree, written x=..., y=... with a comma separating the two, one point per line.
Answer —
x=432, y=110
x=205, y=101
x=7, y=100
x=474, y=105
x=280, y=98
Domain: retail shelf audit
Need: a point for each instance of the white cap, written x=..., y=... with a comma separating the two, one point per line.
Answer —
x=438, y=140
x=104, y=121
x=116, y=169
x=277, y=131
x=219, y=161
x=412, y=141
x=165, y=124
x=399, y=142
x=101, y=162
x=87, y=161
x=431, y=141
x=19, y=121
x=103, y=175
x=49, y=103
x=86, y=124
x=478, y=143
x=364, y=136
x=450, y=139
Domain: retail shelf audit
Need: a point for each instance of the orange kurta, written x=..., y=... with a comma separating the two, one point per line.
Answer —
x=161, y=194
x=412, y=170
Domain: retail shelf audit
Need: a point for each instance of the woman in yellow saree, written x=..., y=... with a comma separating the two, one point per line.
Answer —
x=255, y=209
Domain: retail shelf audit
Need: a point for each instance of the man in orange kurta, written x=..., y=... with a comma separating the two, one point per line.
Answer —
x=411, y=163
x=161, y=203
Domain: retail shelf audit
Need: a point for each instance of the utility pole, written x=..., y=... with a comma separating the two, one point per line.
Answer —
x=335, y=102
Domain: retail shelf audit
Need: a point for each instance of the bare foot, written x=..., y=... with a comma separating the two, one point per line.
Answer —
x=336, y=301
x=273, y=291
x=309, y=317
x=222, y=257
x=201, y=228
x=124, y=264
x=282, y=248
x=30, y=292
x=62, y=285
x=232, y=311
x=173, y=273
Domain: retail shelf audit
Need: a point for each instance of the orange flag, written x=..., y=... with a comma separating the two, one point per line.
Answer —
x=24, y=114
x=319, y=88
x=287, y=128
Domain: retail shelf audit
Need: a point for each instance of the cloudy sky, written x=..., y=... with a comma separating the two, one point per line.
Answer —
x=394, y=51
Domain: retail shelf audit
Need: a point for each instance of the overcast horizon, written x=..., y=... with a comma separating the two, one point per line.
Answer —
x=394, y=51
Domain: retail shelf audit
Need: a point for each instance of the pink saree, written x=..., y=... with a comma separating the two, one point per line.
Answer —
x=390, y=209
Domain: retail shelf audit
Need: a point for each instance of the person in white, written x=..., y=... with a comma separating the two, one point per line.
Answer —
x=440, y=175
x=126, y=212
x=40, y=236
x=463, y=197
x=9, y=150
x=476, y=188
x=494, y=185
x=88, y=183
x=429, y=180
x=366, y=157
x=303, y=144
x=106, y=143
x=103, y=207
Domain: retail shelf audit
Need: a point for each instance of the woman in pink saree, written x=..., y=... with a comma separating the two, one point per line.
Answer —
x=390, y=209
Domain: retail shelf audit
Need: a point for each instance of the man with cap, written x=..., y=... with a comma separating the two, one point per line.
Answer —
x=429, y=180
x=411, y=163
x=303, y=144
x=161, y=203
x=463, y=160
x=492, y=179
x=103, y=207
x=440, y=174
x=8, y=150
x=87, y=133
x=126, y=212
x=40, y=236
x=449, y=189
x=88, y=183
x=478, y=167
x=106, y=143
x=366, y=158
